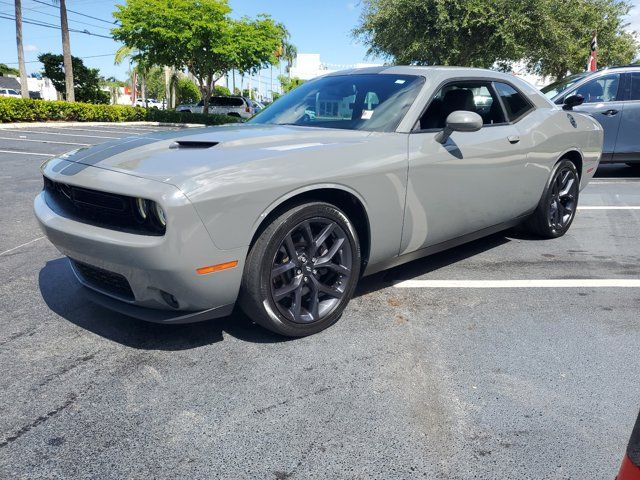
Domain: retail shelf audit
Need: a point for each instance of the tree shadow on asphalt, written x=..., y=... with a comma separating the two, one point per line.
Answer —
x=65, y=296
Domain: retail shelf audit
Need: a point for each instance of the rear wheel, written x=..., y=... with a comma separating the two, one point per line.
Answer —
x=302, y=270
x=557, y=208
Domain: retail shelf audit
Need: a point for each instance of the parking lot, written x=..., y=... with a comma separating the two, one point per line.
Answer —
x=490, y=377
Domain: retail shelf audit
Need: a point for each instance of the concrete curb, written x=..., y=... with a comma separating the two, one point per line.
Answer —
x=11, y=126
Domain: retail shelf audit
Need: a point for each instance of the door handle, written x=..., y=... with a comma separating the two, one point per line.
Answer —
x=609, y=113
x=513, y=139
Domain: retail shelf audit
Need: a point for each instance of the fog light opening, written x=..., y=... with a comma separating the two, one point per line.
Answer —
x=169, y=299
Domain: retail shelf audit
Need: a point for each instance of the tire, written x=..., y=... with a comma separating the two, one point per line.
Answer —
x=296, y=287
x=562, y=190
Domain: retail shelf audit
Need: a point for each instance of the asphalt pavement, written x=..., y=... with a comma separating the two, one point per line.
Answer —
x=413, y=382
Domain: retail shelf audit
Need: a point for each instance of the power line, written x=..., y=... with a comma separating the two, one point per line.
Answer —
x=82, y=58
x=77, y=13
x=40, y=23
x=39, y=12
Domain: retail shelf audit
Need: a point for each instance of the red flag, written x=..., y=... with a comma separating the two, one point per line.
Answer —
x=592, y=65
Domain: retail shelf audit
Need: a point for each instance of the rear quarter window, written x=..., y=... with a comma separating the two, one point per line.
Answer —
x=515, y=103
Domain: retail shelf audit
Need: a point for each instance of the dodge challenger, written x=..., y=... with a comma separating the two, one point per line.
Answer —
x=349, y=174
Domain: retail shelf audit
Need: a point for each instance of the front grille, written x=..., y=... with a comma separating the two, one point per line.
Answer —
x=102, y=209
x=104, y=280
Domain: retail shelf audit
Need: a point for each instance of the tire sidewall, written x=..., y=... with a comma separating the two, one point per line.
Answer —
x=294, y=217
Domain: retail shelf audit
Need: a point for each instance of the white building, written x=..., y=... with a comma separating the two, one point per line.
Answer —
x=308, y=65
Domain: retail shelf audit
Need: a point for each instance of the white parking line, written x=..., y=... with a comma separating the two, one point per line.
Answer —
x=110, y=130
x=561, y=283
x=616, y=182
x=29, y=153
x=65, y=134
x=45, y=141
x=609, y=207
x=20, y=246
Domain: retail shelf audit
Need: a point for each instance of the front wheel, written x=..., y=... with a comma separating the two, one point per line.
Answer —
x=302, y=270
x=557, y=207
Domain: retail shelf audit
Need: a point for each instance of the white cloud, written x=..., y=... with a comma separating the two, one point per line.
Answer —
x=31, y=48
x=351, y=6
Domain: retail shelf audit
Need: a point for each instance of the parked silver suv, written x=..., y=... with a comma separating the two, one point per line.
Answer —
x=611, y=96
x=234, y=106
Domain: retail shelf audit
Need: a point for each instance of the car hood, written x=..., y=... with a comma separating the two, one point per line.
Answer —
x=177, y=156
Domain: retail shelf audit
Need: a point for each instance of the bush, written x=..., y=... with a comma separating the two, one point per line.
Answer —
x=27, y=110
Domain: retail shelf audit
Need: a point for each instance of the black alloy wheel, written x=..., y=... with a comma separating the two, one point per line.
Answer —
x=311, y=270
x=563, y=199
x=302, y=270
x=557, y=207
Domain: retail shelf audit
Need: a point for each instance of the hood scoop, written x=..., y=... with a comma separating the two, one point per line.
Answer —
x=192, y=144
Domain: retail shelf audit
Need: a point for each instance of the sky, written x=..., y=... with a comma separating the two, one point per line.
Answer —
x=322, y=27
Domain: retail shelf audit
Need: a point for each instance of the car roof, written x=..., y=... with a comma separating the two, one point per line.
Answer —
x=420, y=70
x=436, y=75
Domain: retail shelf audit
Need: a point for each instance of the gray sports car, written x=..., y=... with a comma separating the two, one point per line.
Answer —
x=348, y=174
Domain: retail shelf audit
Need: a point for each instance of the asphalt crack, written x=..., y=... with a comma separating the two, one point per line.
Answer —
x=38, y=421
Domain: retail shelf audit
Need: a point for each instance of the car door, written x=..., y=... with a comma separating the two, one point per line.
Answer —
x=470, y=182
x=627, y=147
x=602, y=99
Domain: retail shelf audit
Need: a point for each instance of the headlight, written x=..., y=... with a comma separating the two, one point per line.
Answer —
x=141, y=207
x=160, y=214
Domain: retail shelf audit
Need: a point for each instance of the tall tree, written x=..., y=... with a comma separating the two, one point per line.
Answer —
x=200, y=36
x=552, y=36
x=24, y=86
x=86, y=80
x=66, y=51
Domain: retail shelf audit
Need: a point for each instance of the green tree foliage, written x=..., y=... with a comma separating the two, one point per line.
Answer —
x=551, y=36
x=222, y=91
x=289, y=83
x=200, y=36
x=6, y=70
x=187, y=91
x=155, y=83
x=86, y=80
x=563, y=45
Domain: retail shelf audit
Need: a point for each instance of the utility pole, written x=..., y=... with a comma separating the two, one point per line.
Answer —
x=66, y=52
x=24, y=85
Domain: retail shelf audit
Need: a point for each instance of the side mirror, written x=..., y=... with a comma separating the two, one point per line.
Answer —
x=572, y=101
x=460, y=121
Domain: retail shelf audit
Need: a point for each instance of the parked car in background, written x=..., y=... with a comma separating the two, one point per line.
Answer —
x=233, y=106
x=284, y=214
x=257, y=106
x=611, y=96
x=9, y=92
x=149, y=103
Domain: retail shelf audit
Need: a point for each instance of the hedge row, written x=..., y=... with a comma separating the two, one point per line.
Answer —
x=28, y=110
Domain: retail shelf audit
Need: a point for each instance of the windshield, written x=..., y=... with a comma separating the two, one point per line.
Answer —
x=371, y=102
x=551, y=91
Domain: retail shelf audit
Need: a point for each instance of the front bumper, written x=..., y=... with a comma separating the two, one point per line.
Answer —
x=153, y=266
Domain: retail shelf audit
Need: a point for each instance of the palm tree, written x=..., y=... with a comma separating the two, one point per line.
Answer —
x=24, y=87
x=290, y=53
x=66, y=51
x=141, y=67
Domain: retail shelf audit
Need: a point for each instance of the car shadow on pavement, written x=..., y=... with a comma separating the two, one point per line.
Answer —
x=65, y=296
x=434, y=262
x=617, y=170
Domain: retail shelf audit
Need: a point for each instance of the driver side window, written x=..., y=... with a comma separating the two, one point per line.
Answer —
x=603, y=89
x=477, y=97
